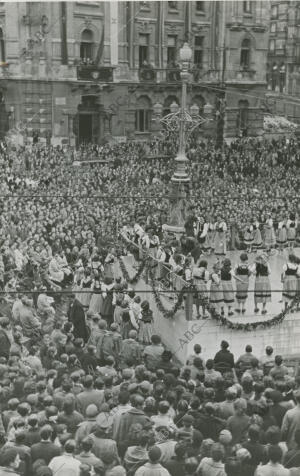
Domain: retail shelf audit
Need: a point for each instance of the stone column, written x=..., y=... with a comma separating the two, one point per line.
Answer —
x=72, y=137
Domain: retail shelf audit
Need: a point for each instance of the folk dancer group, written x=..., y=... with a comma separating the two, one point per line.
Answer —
x=266, y=234
x=271, y=234
x=221, y=295
x=216, y=286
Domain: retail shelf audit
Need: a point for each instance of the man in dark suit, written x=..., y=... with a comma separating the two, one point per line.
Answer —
x=76, y=315
x=5, y=340
x=45, y=449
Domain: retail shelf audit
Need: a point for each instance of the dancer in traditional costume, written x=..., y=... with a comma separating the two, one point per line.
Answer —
x=96, y=299
x=281, y=235
x=106, y=307
x=220, y=238
x=262, y=287
x=269, y=234
x=85, y=285
x=109, y=264
x=227, y=288
x=200, y=279
x=209, y=242
x=297, y=260
x=242, y=271
x=291, y=226
x=146, y=321
x=216, y=298
x=290, y=275
x=201, y=231
x=257, y=239
x=249, y=237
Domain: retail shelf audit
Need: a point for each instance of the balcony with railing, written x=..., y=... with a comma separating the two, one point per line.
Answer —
x=90, y=72
x=243, y=75
x=172, y=75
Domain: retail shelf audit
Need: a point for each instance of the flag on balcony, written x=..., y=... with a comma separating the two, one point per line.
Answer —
x=100, y=48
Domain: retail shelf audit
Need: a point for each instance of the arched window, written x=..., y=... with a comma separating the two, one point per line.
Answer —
x=243, y=117
x=143, y=114
x=245, y=53
x=86, y=46
x=2, y=47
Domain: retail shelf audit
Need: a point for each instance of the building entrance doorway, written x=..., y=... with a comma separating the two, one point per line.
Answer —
x=85, y=128
x=87, y=121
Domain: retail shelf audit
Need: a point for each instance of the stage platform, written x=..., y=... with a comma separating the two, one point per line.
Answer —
x=180, y=335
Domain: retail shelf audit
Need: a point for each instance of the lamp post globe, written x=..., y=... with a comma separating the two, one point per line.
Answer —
x=157, y=109
x=194, y=110
x=174, y=107
x=207, y=109
x=185, y=53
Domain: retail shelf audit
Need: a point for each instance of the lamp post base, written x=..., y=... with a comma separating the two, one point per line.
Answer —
x=178, y=208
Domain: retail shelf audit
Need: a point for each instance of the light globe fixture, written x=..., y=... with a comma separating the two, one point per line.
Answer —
x=207, y=109
x=185, y=53
x=194, y=110
x=157, y=109
x=174, y=107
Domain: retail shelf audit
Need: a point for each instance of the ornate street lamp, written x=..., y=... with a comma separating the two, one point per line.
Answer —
x=182, y=123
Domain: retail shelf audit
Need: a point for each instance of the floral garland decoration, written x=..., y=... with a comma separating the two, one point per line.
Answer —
x=251, y=326
x=137, y=275
x=146, y=262
x=168, y=314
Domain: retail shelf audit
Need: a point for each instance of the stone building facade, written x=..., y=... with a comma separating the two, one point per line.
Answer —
x=283, y=67
x=90, y=71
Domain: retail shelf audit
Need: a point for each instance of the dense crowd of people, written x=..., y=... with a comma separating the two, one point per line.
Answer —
x=86, y=385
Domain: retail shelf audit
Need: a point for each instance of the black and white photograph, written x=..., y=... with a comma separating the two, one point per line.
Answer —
x=150, y=238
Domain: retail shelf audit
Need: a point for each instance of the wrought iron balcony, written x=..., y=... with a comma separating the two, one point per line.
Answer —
x=94, y=73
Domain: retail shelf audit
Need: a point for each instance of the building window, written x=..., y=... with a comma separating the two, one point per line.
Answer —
x=282, y=77
x=281, y=26
x=274, y=76
x=247, y=7
x=172, y=5
x=273, y=27
x=86, y=47
x=200, y=6
x=198, y=51
x=2, y=47
x=143, y=114
x=272, y=46
x=143, y=50
x=172, y=50
x=280, y=47
x=243, y=117
x=142, y=120
x=245, y=54
x=274, y=12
